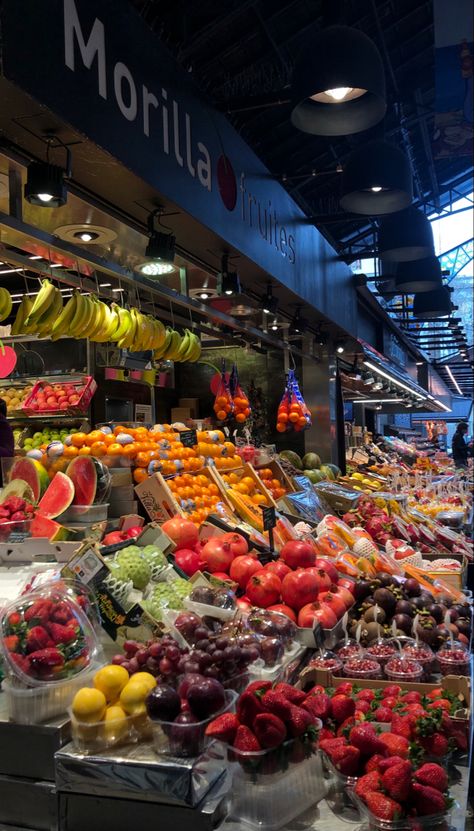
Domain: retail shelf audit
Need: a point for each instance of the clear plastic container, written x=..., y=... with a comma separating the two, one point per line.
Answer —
x=327, y=660
x=362, y=668
x=272, y=787
x=85, y=513
x=422, y=654
x=454, y=660
x=186, y=740
x=381, y=651
x=351, y=649
x=205, y=610
x=338, y=787
x=435, y=822
x=35, y=705
x=98, y=736
x=15, y=531
x=404, y=670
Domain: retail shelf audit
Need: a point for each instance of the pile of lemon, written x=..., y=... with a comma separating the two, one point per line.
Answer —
x=113, y=710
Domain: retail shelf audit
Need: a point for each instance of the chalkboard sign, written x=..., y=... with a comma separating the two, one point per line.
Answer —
x=188, y=438
x=269, y=518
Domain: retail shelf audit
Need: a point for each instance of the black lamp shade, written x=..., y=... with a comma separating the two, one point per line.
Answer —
x=376, y=180
x=405, y=235
x=339, y=57
x=435, y=303
x=418, y=276
x=161, y=247
x=45, y=185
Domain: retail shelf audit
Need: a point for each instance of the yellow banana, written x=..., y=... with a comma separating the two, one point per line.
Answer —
x=62, y=323
x=159, y=334
x=79, y=316
x=43, y=327
x=158, y=353
x=18, y=326
x=111, y=323
x=124, y=322
x=129, y=337
x=6, y=303
x=42, y=302
x=197, y=349
x=100, y=313
x=173, y=348
x=92, y=304
x=184, y=346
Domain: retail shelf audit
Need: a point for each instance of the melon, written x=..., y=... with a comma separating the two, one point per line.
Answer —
x=42, y=526
x=335, y=469
x=292, y=458
x=91, y=480
x=311, y=461
x=57, y=497
x=17, y=487
x=328, y=473
x=314, y=476
x=33, y=473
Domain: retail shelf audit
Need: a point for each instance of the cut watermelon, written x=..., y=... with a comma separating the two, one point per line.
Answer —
x=33, y=473
x=91, y=480
x=57, y=497
x=17, y=487
x=48, y=529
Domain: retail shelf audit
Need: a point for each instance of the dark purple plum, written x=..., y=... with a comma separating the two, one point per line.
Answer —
x=271, y=650
x=187, y=681
x=163, y=703
x=203, y=594
x=206, y=698
x=184, y=739
x=362, y=590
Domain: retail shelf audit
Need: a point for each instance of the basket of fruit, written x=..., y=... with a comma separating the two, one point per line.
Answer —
x=72, y=396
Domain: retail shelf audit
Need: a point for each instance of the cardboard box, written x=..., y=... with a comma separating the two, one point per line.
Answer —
x=180, y=414
x=118, y=508
x=192, y=403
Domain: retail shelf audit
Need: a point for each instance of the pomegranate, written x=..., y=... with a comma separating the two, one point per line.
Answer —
x=279, y=568
x=299, y=588
x=324, y=580
x=346, y=596
x=283, y=609
x=188, y=561
x=217, y=554
x=263, y=589
x=347, y=583
x=242, y=568
x=238, y=543
x=329, y=567
x=183, y=532
x=298, y=554
x=334, y=602
x=316, y=612
x=243, y=603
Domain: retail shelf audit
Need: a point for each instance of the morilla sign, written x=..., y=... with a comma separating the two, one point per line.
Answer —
x=99, y=68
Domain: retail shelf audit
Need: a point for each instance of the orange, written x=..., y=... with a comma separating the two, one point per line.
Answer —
x=240, y=418
x=108, y=438
x=94, y=436
x=293, y=417
x=221, y=401
x=115, y=449
x=259, y=499
x=283, y=417
x=98, y=448
x=70, y=451
x=119, y=429
x=78, y=439
x=139, y=475
x=129, y=450
x=214, y=490
x=85, y=451
x=230, y=448
x=221, y=415
x=276, y=483
x=302, y=421
x=247, y=480
x=142, y=459
x=281, y=428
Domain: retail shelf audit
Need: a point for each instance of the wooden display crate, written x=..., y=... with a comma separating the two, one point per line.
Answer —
x=279, y=473
x=159, y=501
x=245, y=470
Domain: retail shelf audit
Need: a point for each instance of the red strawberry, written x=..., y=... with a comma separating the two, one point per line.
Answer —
x=436, y=744
x=39, y=610
x=61, y=634
x=459, y=737
x=269, y=730
x=245, y=740
x=326, y=733
x=402, y=726
x=412, y=697
x=427, y=800
x=413, y=710
x=276, y=703
x=11, y=642
x=441, y=703
x=362, y=707
x=374, y=762
x=342, y=708
x=259, y=687
x=365, y=695
x=436, y=693
x=14, y=619
x=299, y=721
x=382, y=806
x=391, y=690
x=395, y=745
x=47, y=658
x=346, y=759
x=38, y=638
x=369, y=782
x=22, y=662
x=397, y=781
x=223, y=727
x=316, y=690
x=433, y=775
x=383, y=714
x=390, y=761
x=248, y=707
x=345, y=728
x=365, y=738
x=295, y=696
x=344, y=689
x=318, y=705
x=390, y=701
x=61, y=613
x=329, y=744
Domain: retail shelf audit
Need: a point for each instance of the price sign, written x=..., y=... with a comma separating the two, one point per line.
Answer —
x=269, y=518
x=18, y=536
x=188, y=438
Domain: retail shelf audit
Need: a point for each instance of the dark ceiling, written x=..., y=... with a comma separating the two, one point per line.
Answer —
x=241, y=54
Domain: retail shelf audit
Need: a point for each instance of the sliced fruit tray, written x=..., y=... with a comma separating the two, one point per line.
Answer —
x=70, y=396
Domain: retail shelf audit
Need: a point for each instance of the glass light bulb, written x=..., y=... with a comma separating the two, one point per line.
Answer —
x=203, y=295
x=86, y=237
x=339, y=93
x=154, y=269
x=376, y=189
x=45, y=197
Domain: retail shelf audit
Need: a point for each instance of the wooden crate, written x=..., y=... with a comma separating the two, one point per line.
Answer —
x=279, y=473
x=159, y=501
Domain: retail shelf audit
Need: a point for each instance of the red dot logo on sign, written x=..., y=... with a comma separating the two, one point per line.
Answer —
x=226, y=182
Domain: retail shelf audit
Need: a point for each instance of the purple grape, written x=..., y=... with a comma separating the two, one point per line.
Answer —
x=205, y=661
x=203, y=643
x=166, y=667
x=119, y=660
x=192, y=667
x=134, y=666
x=211, y=648
x=221, y=643
x=141, y=656
x=173, y=653
x=201, y=632
x=152, y=665
x=211, y=672
x=206, y=698
x=218, y=656
x=254, y=653
x=156, y=650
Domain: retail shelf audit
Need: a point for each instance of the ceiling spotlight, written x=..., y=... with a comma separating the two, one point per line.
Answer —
x=86, y=236
x=274, y=326
x=408, y=405
x=405, y=235
x=229, y=280
x=203, y=295
x=45, y=182
x=420, y=405
x=269, y=302
x=160, y=250
x=338, y=85
x=378, y=407
x=376, y=180
x=298, y=324
x=340, y=347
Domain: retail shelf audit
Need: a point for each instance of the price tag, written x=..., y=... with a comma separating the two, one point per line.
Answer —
x=18, y=536
x=269, y=518
x=188, y=438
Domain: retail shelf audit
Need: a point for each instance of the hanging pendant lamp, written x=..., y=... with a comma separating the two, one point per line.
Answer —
x=338, y=84
x=418, y=276
x=435, y=303
x=406, y=235
x=376, y=180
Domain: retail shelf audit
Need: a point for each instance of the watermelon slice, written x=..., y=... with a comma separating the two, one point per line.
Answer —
x=91, y=480
x=33, y=473
x=57, y=497
x=48, y=529
x=17, y=487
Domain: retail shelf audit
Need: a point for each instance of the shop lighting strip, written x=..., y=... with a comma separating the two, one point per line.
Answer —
x=392, y=379
x=453, y=379
x=444, y=407
x=376, y=400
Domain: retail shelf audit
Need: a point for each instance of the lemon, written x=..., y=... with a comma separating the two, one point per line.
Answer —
x=132, y=697
x=115, y=723
x=111, y=680
x=144, y=678
x=89, y=705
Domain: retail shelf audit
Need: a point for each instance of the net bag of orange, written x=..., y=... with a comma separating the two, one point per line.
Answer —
x=241, y=403
x=293, y=414
x=223, y=404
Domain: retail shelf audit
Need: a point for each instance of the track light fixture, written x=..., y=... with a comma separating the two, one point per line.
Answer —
x=340, y=346
x=45, y=182
x=230, y=283
x=160, y=249
x=269, y=302
x=378, y=407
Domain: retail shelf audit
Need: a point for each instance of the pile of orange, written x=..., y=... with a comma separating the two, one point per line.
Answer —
x=223, y=406
x=245, y=485
x=242, y=408
x=291, y=416
x=273, y=485
x=197, y=496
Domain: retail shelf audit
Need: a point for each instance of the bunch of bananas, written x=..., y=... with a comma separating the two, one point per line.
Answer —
x=179, y=348
x=5, y=304
x=85, y=316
